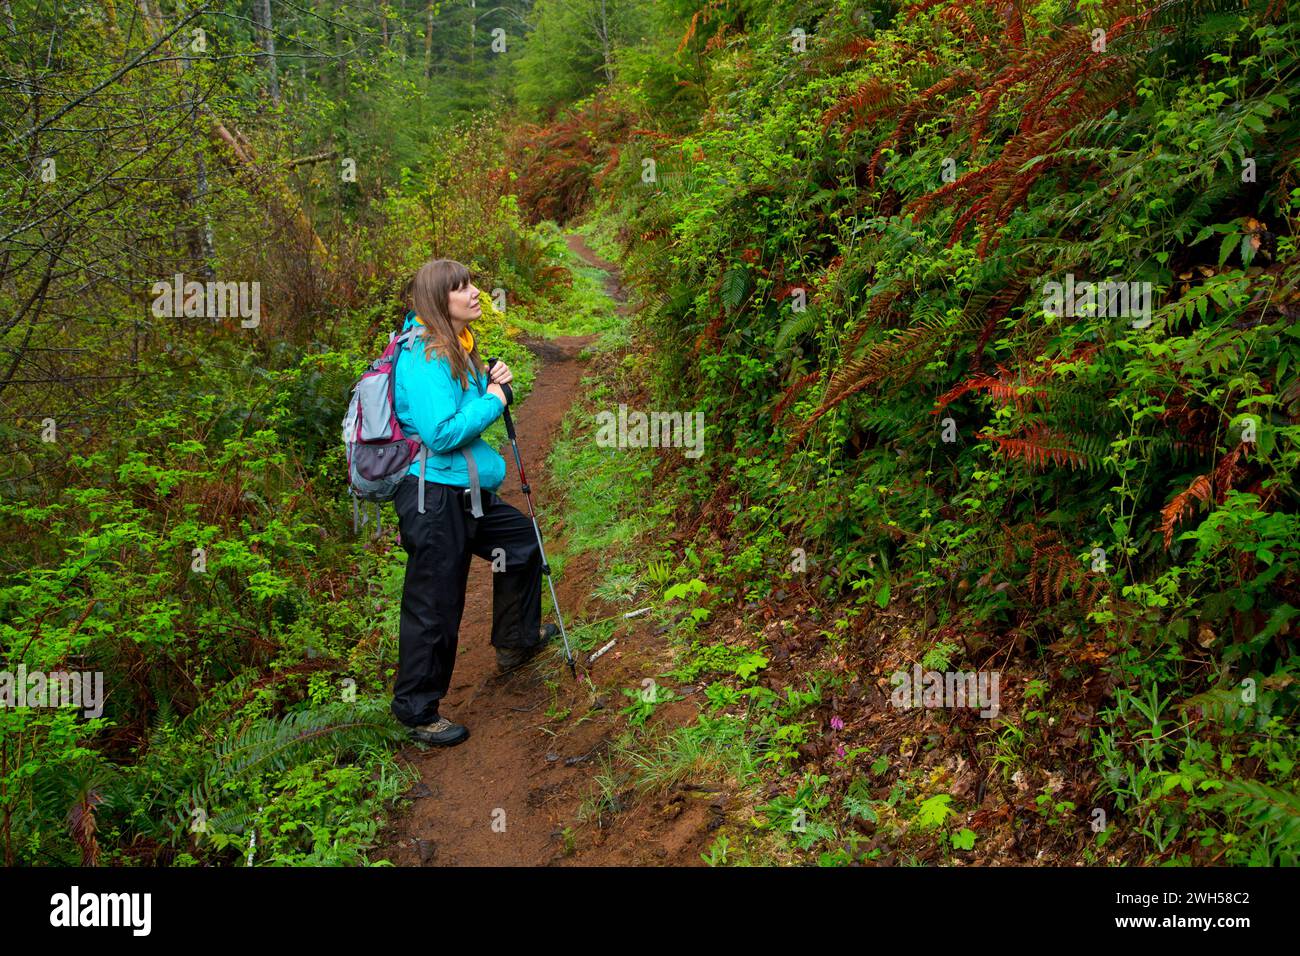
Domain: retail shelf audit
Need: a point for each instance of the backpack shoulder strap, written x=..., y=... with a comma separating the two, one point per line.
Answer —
x=424, y=458
x=407, y=338
x=475, y=495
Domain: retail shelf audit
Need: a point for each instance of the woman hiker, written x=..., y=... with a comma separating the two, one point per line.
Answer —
x=445, y=395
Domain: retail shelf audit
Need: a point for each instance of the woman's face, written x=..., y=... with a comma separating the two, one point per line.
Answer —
x=463, y=305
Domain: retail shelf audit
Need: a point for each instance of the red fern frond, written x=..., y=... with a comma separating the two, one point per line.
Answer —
x=1228, y=471
x=857, y=46
x=1039, y=447
x=1178, y=509
x=690, y=30
x=1052, y=567
x=974, y=210
x=879, y=307
x=1015, y=28
x=907, y=119
x=1211, y=488
x=717, y=40
x=925, y=98
x=998, y=307
x=82, y=826
x=792, y=393
x=1073, y=45
x=1003, y=388
x=918, y=8
x=961, y=24
x=709, y=337
x=865, y=103
x=920, y=206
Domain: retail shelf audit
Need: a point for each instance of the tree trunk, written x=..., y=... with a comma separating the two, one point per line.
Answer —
x=428, y=40
x=604, y=41
x=266, y=42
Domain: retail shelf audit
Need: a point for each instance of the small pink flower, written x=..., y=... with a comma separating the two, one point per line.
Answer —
x=839, y=751
x=837, y=723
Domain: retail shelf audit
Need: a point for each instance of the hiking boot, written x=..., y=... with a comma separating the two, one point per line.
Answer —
x=441, y=733
x=511, y=658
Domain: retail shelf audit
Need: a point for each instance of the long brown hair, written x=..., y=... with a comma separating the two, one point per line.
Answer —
x=428, y=294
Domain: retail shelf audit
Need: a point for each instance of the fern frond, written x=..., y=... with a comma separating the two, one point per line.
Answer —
x=735, y=284
x=270, y=745
x=1180, y=507
x=792, y=393
x=1219, y=703
x=896, y=357
x=799, y=323
x=1265, y=808
x=1040, y=446
x=221, y=701
x=866, y=102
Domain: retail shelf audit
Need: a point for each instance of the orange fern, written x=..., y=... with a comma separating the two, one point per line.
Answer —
x=1038, y=447
x=1210, y=488
x=868, y=101
x=1178, y=509
x=792, y=393
x=1002, y=387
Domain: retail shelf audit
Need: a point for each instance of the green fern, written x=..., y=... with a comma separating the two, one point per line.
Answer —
x=1271, y=810
x=799, y=323
x=735, y=284
x=221, y=701
x=1219, y=703
x=271, y=745
x=892, y=421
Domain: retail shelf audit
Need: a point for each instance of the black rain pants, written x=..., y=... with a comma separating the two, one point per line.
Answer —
x=438, y=546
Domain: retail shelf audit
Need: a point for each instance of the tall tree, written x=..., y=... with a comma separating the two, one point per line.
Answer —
x=266, y=41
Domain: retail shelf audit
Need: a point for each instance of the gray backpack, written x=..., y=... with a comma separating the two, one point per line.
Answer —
x=379, y=454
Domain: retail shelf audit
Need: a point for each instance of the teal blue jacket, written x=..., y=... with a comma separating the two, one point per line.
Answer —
x=431, y=404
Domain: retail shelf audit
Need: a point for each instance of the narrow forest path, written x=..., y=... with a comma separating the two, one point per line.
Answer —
x=507, y=795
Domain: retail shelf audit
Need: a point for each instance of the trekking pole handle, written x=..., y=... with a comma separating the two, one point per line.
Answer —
x=510, y=397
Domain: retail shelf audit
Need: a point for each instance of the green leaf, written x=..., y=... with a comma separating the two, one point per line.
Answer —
x=934, y=811
x=750, y=665
x=1251, y=121
x=1225, y=247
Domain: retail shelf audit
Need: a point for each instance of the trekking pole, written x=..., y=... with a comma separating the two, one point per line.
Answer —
x=546, y=567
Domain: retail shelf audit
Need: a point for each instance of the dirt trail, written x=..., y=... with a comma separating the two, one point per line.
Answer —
x=518, y=768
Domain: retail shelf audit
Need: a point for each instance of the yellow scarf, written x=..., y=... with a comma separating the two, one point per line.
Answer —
x=466, y=337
